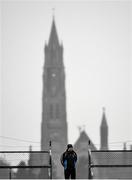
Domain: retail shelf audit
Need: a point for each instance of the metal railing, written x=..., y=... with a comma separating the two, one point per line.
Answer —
x=16, y=163
x=110, y=164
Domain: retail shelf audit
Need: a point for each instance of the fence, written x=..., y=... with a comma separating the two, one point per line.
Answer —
x=112, y=164
x=26, y=164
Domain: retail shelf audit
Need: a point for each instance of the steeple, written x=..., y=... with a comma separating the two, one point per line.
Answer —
x=104, y=132
x=53, y=50
x=54, y=122
x=104, y=121
x=53, y=39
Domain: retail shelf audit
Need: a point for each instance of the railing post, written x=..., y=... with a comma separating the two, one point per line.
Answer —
x=10, y=173
x=89, y=161
x=50, y=159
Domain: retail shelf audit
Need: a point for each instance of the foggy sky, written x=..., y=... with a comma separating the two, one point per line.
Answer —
x=96, y=36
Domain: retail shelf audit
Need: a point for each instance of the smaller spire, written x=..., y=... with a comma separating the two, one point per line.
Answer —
x=104, y=132
x=104, y=121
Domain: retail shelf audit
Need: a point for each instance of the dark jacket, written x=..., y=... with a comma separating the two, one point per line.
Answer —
x=69, y=159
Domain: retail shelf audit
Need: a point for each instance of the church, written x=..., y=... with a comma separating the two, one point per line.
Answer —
x=54, y=119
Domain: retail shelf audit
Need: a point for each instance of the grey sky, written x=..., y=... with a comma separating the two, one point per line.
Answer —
x=96, y=36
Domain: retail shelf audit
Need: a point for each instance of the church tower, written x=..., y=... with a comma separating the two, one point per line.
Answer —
x=104, y=132
x=54, y=124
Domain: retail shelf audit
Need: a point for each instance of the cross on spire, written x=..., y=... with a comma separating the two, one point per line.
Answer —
x=79, y=129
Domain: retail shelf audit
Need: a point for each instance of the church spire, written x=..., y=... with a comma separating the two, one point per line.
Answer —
x=104, y=121
x=54, y=122
x=53, y=39
x=104, y=132
x=54, y=50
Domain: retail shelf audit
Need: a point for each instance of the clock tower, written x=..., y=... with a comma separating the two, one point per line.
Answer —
x=54, y=124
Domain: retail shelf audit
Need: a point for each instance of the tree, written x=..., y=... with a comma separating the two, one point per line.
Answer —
x=22, y=173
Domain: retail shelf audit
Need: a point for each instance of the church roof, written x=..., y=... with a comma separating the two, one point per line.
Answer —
x=84, y=138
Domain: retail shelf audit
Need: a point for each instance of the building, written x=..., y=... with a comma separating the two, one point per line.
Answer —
x=82, y=145
x=104, y=132
x=54, y=123
x=102, y=157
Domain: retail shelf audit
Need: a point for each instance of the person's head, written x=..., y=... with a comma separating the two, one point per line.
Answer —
x=69, y=147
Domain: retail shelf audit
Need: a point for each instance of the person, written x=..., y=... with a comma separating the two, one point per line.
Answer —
x=68, y=161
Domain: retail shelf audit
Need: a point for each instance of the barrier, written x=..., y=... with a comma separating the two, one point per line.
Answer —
x=26, y=164
x=111, y=164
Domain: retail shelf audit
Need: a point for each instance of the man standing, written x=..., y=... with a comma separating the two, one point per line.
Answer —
x=68, y=160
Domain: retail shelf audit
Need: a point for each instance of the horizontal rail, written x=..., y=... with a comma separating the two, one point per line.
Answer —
x=24, y=151
x=16, y=167
x=98, y=151
x=107, y=166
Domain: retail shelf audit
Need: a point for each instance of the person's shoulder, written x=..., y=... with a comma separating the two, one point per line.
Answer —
x=64, y=153
x=74, y=152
